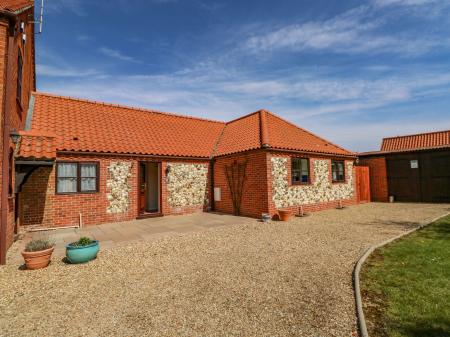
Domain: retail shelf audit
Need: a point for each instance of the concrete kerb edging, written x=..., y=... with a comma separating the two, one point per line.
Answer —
x=359, y=308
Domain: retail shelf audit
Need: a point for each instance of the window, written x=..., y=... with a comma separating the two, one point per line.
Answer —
x=76, y=177
x=337, y=170
x=19, y=77
x=300, y=171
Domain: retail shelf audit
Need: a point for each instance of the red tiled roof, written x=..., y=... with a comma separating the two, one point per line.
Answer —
x=15, y=5
x=264, y=129
x=240, y=135
x=36, y=145
x=431, y=140
x=87, y=126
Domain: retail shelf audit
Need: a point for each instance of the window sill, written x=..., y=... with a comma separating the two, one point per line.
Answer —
x=76, y=193
x=339, y=182
x=301, y=184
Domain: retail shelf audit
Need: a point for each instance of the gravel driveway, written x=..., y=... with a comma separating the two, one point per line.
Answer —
x=275, y=279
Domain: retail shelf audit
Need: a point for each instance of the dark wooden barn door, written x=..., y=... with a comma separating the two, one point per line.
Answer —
x=420, y=176
x=403, y=177
x=435, y=176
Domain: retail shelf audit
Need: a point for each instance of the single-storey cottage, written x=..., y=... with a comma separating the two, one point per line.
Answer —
x=80, y=160
x=68, y=161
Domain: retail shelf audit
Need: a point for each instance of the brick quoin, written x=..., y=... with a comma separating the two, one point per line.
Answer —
x=378, y=177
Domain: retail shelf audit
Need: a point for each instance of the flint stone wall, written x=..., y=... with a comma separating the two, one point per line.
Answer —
x=118, y=187
x=186, y=184
x=321, y=189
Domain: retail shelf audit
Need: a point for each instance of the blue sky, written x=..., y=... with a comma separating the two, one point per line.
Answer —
x=350, y=71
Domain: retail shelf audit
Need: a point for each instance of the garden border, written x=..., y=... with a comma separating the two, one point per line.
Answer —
x=356, y=286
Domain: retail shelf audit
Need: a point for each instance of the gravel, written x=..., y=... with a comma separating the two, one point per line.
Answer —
x=256, y=279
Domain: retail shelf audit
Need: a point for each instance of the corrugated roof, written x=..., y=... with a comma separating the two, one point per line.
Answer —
x=89, y=126
x=15, y=6
x=422, y=141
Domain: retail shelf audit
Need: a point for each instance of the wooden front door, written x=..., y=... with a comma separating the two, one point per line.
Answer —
x=362, y=184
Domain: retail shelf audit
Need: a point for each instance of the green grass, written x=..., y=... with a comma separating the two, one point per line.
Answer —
x=406, y=285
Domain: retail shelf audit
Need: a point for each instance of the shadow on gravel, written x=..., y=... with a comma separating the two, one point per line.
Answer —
x=402, y=224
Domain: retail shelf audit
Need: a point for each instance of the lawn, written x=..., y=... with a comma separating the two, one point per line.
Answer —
x=406, y=285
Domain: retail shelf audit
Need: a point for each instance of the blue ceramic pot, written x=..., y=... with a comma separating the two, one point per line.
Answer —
x=82, y=254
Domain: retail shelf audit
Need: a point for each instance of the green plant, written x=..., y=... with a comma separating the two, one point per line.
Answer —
x=38, y=245
x=83, y=241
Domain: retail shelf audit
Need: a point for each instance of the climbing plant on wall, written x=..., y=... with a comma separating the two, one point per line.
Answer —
x=235, y=174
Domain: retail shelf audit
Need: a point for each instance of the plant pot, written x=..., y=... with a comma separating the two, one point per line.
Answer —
x=284, y=215
x=82, y=254
x=266, y=217
x=39, y=259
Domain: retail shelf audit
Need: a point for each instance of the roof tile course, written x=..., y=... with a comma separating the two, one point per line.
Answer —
x=88, y=126
x=285, y=135
x=37, y=145
x=421, y=141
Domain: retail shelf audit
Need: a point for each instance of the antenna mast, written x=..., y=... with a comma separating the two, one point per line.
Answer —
x=41, y=18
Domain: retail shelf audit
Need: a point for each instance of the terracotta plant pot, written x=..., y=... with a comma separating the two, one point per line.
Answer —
x=39, y=259
x=284, y=215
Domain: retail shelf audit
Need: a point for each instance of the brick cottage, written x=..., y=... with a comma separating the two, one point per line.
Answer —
x=70, y=160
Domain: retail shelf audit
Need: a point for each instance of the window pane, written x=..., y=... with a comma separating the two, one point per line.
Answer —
x=338, y=172
x=335, y=175
x=88, y=177
x=88, y=184
x=299, y=170
x=67, y=185
x=67, y=170
x=88, y=170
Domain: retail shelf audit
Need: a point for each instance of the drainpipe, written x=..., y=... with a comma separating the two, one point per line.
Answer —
x=6, y=137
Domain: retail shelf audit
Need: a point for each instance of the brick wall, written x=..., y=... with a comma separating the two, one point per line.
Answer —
x=40, y=205
x=255, y=188
x=18, y=108
x=378, y=177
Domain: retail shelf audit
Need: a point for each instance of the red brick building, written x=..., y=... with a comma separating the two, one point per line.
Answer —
x=75, y=161
x=17, y=80
x=412, y=168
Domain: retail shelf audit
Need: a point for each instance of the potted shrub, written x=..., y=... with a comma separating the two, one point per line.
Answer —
x=284, y=215
x=37, y=253
x=83, y=250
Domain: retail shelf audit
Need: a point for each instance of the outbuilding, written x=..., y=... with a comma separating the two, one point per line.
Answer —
x=412, y=168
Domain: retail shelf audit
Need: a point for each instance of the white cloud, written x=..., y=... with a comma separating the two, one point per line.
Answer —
x=62, y=71
x=117, y=54
x=60, y=6
x=353, y=32
x=383, y=3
